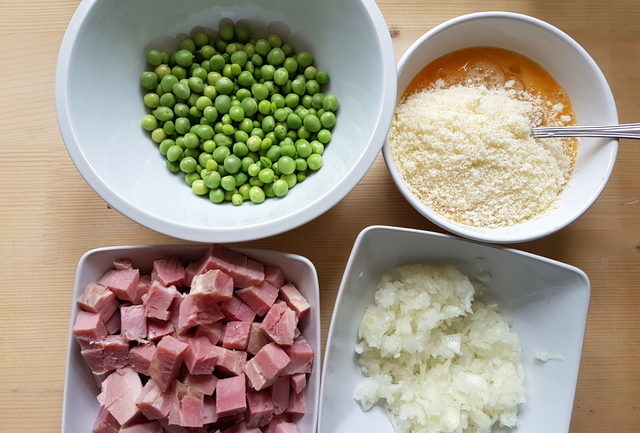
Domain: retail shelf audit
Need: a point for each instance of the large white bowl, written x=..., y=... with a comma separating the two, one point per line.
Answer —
x=545, y=300
x=80, y=407
x=99, y=106
x=574, y=70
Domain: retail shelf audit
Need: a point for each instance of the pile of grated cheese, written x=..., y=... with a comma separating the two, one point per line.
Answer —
x=465, y=151
x=438, y=361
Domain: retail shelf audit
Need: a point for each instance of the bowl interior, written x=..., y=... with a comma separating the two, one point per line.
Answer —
x=546, y=301
x=80, y=406
x=100, y=106
x=574, y=70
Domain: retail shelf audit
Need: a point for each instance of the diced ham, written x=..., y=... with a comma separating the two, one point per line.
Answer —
x=152, y=402
x=122, y=263
x=257, y=339
x=280, y=394
x=187, y=407
x=280, y=324
x=236, y=335
x=209, y=414
x=286, y=427
x=298, y=382
x=105, y=423
x=213, y=332
x=122, y=282
x=158, y=300
x=204, y=383
x=301, y=355
x=296, y=404
x=120, y=392
x=166, y=361
x=115, y=351
x=275, y=422
x=235, y=309
x=143, y=287
x=140, y=357
x=143, y=427
x=260, y=298
x=191, y=271
x=174, y=310
x=274, y=275
x=156, y=329
x=133, y=322
x=294, y=299
x=89, y=326
x=169, y=272
x=259, y=408
x=200, y=357
x=195, y=311
x=230, y=361
x=231, y=396
x=264, y=368
x=214, y=284
x=245, y=272
x=113, y=323
x=98, y=299
x=241, y=427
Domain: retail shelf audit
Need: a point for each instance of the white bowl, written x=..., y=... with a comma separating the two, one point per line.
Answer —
x=546, y=301
x=80, y=406
x=99, y=106
x=574, y=70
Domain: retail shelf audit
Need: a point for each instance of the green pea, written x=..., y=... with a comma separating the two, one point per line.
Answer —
x=228, y=183
x=172, y=166
x=236, y=113
x=253, y=169
x=258, y=132
x=228, y=129
x=181, y=91
x=224, y=85
x=304, y=133
x=232, y=164
x=253, y=143
x=268, y=190
x=324, y=136
x=291, y=179
x=303, y=148
x=273, y=153
x=281, y=76
x=205, y=132
x=191, y=140
x=212, y=165
x=312, y=123
x=154, y=57
x=149, y=122
x=240, y=58
x=288, y=149
x=317, y=147
x=262, y=47
x=287, y=49
x=241, y=136
x=184, y=58
x=307, y=101
x=266, y=175
x=291, y=65
x=280, y=188
x=222, y=104
x=174, y=153
x=163, y=113
x=244, y=191
x=149, y=80
x=194, y=112
x=182, y=125
x=328, y=120
x=162, y=70
x=312, y=87
x=188, y=44
x=216, y=63
x=301, y=176
x=301, y=164
x=275, y=56
x=169, y=127
x=216, y=195
x=151, y=100
x=188, y=165
x=280, y=115
x=264, y=107
x=310, y=72
x=220, y=154
x=168, y=100
x=179, y=72
x=304, y=59
x=237, y=199
x=299, y=86
x=292, y=100
x=198, y=187
x=314, y=161
x=256, y=194
x=294, y=121
x=167, y=82
x=240, y=149
x=267, y=71
x=274, y=40
x=254, y=181
x=199, y=72
x=286, y=165
x=226, y=31
x=268, y=123
x=330, y=103
x=316, y=101
x=322, y=77
x=240, y=178
x=165, y=145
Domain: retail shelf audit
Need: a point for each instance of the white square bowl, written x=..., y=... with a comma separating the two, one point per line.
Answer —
x=80, y=406
x=545, y=300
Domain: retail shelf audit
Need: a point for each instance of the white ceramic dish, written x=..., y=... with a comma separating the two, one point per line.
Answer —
x=547, y=302
x=80, y=407
x=99, y=106
x=574, y=70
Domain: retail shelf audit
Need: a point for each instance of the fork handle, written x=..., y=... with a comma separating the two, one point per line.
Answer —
x=626, y=130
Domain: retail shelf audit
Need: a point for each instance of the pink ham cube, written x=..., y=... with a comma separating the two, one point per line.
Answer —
x=301, y=355
x=105, y=423
x=245, y=272
x=98, y=299
x=156, y=329
x=123, y=263
x=257, y=339
x=191, y=271
x=264, y=368
x=294, y=299
x=298, y=382
x=213, y=332
x=286, y=427
x=236, y=335
x=274, y=276
x=174, y=310
x=143, y=287
x=107, y=355
x=113, y=323
x=120, y=390
x=230, y=361
x=168, y=272
x=200, y=357
x=204, y=383
x=280, y=394
x=197, y=310
x=152, y=402
x=122, y=282
x=235, y=309
x=186, y=407
x=89, y=327
x=158, y=300
x=166, y=361
x=280, y=324
x=296, y=405
x=214, y=284
x=133, y=322
x=140, y=357
x=260, y=298
x=259, y=408
x=209, y=414
x=231, y=396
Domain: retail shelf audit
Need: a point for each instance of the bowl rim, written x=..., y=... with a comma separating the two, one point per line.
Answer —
x=302, y=215
x=471, y=232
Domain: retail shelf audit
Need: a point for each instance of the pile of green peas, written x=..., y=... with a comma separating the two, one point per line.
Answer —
x=243, y=119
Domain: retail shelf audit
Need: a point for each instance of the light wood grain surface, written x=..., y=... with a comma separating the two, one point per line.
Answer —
x=49, y=216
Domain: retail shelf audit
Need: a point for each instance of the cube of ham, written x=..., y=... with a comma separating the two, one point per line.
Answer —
x=197, y=310
x=98, y=299
x=230, y=361
x=152, y=402
x=296, y=405
x=140, y=357
x=280, y=394
x=260, y=298
x=231, y=396
x=245, y=272
x=156, y=329
x=122, y=282
x=166, y=361
x=186, y=407
x=213, y=332
x=158, y=300
x=88, y=327
x=122, y=263
x=236, y=335
x=113, y=323
x=294, y=299
x=257, y=339
x=105, y=423
x=191, y=271
x=214, y=284
x=143, y=287
x=259, y=408
x=298, y=382
x=274, y=275
x=133, y=322
x=286, y=427
x=120, y=390
x=204, y=383
x=209, y=415
x=264, y=368
x=235, y=309
x=301, y=355
x=143, y=427
x=200, y=357
x=280, y=324
x=169, y=272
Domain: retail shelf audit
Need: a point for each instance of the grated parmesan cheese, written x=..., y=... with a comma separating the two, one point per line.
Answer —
x=465, y=151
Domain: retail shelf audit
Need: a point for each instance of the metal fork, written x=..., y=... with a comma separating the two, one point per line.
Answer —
x=627, y=130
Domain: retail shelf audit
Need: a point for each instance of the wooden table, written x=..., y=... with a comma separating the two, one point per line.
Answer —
x=49, y=216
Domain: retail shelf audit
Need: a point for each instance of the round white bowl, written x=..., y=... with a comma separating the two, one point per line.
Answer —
x=574, y=70
x=99, y=106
